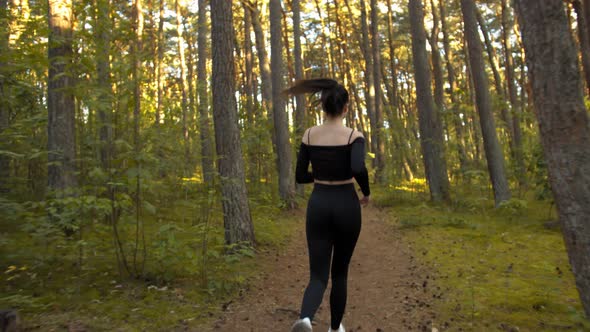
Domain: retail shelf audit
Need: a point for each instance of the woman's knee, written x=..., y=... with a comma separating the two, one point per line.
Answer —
x=321, y=279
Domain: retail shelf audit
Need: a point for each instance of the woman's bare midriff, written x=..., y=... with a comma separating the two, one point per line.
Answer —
x=334, y=182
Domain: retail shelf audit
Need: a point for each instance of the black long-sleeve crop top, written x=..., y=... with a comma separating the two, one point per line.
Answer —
x=333, y=163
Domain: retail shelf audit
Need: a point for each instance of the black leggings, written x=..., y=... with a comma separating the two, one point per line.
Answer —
x=333, y=223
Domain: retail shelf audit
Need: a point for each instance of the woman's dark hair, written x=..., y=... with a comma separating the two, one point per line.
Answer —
x=333, y=98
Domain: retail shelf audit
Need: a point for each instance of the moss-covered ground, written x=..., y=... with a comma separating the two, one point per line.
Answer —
x=494, y=269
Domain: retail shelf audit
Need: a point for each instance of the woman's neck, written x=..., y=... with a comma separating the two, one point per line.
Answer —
x=333, y=121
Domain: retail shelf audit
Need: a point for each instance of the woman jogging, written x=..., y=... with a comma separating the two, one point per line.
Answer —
x=333, y=221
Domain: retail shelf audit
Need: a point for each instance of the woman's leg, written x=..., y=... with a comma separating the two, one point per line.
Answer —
x=348, y=227
x=319, y=243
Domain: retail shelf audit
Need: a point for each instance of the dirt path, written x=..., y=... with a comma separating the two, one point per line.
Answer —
x=387, y=290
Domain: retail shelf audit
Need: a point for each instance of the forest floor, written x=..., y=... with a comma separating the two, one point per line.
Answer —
x=418, y=266
x=387, y=289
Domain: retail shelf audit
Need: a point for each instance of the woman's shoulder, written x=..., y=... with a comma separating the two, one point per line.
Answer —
x=306, y=133
x=355, y=134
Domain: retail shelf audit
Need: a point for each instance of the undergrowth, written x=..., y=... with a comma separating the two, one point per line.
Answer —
x=61, y=283
x=502, y=268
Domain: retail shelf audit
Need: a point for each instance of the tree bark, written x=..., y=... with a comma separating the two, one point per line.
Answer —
x=512, y=95
x=324, y=61
x=251, y=106
x=236, y=211
x=497, y=80
x=394, y=120
x=103, y=37
x=4, y=107
x=190, y=82
x=290, y=70
x=183, y=85
x=587, y=18
x=369, y=81
x=392, y=64
x=436, y=61
x=248, y=68
x=431, y=136
x=584, y=40
x=563, y=122
x=137, y=50
x=281, y=125
x=457, y=122
x=207, y=157
x=299, y=99
x=266, y=85
x=493, y=150
x=61, y=131
x=376, y=54
x=160, y=66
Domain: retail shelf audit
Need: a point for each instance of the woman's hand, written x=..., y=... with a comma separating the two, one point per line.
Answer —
x=364, y=201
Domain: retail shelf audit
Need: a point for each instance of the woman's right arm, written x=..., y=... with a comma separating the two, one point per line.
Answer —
x=302, y=173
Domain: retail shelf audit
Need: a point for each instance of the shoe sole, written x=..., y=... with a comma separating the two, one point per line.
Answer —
x=300, y=327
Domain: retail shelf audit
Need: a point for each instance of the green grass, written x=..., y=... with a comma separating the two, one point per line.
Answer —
x=495, y=269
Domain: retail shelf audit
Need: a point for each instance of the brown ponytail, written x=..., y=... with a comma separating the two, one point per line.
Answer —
x=333, y=98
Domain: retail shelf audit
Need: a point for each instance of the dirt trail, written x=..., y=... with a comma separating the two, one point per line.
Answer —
x=387, y=290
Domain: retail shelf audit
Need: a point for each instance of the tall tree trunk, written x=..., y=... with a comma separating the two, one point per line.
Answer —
x=236, y=211
x=340, y=53
x=206, y=139
x=190, y=80
x=586, y=7
x=61, y=131
x=369, y=81
x=160, y=66
x=564, y=126
x=497, y=80
x=324, y=62
x=137, y=80
x=355, y=113
x=394, y=119
x=437, y=68
x=183, y=85
x=493, y=150
x=436, y=61
x=251, y=106
x=472, y=128
x=103, y=38
x=584, y=40
x=512, y=95
x=4, y=107
x=392, y=64
x=281, y=125
x=299, y=99
x=431, y=136
x=248, y=68
x=333, y=47
x=137, y=50
x=457, y=122
x=265, y=76
x=376, y=54
x=290, y=66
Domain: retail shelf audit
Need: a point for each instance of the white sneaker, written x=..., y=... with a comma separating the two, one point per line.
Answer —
x=340, y=329
x=302, y=325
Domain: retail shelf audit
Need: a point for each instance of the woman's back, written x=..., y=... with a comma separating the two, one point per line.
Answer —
x=330, y=135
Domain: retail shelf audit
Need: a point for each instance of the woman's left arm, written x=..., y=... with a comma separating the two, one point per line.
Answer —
x=357, y=164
